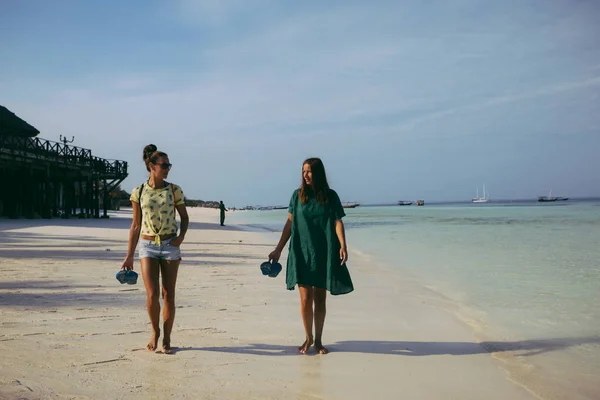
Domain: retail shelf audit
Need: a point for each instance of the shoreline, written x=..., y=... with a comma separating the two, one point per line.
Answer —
x=511, y=351
x=236, y=331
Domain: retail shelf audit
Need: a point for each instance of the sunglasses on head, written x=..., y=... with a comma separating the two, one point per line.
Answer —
x=165, y=165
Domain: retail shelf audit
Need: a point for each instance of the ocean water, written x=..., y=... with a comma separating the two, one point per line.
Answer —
x=522, y=273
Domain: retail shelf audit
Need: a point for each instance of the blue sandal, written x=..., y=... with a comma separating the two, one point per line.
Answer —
x=272, y=270
x=129, y=277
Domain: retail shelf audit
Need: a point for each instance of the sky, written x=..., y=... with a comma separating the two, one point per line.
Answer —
x=402, y=100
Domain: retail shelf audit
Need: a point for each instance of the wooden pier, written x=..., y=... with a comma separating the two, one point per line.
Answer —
x=45, y=179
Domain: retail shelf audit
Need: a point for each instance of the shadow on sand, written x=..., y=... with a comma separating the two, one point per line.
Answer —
x=21, y=245
x=73, y=298
x=400, y=348
x=46, y=285
x=112, y=223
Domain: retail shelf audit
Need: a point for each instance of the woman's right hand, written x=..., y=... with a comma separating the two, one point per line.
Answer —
x=274, y=255
x=128, y=263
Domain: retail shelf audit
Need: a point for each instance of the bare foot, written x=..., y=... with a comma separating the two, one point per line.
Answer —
x=153, y=343
x=305, y=346
x=166, y=347
x=319, y=347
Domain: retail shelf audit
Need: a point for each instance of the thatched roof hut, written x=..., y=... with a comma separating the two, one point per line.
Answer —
x=11, y=125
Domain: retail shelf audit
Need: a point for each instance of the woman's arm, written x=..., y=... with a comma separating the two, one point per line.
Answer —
x=185, y=221
x=134, y=236
x=341, y=234
x=285, y=236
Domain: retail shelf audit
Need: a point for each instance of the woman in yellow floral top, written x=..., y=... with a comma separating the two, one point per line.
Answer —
x=154, y=226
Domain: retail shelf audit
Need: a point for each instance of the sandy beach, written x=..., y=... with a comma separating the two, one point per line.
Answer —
x=69, y=330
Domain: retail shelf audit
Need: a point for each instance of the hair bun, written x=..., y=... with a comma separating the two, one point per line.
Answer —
x=148, y=150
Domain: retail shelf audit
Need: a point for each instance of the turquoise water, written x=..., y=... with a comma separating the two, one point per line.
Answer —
x=516, y=271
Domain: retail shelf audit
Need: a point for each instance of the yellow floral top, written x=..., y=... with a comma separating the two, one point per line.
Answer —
x=158, y=208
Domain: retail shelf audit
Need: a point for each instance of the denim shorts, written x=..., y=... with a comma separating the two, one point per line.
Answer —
x=163, y=251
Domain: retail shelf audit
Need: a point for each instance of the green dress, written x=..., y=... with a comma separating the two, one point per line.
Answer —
x=314, y=250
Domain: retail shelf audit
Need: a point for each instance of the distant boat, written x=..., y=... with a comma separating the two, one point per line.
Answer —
x=420, y=202
x=404, y=203
x=269, y=208
x=550, y=198
x=348, y=204
x=484, y=199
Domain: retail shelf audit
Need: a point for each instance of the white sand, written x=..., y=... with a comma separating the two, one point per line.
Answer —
x=69, y=330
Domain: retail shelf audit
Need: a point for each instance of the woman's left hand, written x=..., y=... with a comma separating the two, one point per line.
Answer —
x=343, y=255
x=177, y=241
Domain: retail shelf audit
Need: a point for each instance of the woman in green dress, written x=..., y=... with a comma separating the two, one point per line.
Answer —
x=317, y=252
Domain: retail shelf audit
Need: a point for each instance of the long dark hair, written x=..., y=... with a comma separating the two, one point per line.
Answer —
x=319, y=187
x=151, y=155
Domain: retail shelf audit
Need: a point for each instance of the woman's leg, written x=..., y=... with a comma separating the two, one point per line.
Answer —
x=320, y=296
x=168, y=270
x=150, y=268
x=306, y=310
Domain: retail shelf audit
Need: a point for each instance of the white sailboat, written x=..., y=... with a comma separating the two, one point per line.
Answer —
x=484, y=199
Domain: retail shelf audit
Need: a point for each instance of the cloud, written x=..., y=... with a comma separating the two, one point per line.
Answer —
x=257, y=75
x=213, y=12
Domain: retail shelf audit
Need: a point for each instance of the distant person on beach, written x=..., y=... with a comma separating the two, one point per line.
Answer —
x=223, y=209
x=317, y=253
x=154, y=203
